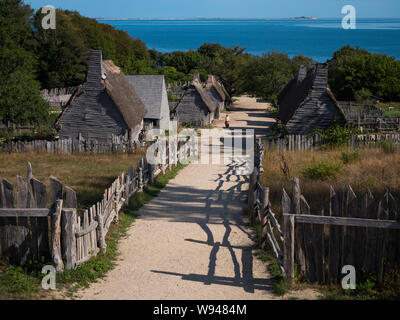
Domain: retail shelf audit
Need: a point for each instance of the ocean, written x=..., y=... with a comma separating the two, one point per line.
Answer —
x=317, y=39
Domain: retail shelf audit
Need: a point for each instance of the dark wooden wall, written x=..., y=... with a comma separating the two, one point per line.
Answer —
x=192, y=109
x=94, y=115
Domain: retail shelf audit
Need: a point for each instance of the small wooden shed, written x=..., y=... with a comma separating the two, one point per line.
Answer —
x=307, y=103
x=105, y=105
x=196, y=107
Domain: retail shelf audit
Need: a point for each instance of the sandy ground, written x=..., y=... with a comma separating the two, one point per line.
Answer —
x=192, y=242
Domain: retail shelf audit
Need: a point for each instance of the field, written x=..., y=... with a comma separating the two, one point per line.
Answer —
x=88, y=174
x=365, y=169
x=391, y=109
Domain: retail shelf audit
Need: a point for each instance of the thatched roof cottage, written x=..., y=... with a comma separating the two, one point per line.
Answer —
x=217, y=95
x=196, y=106
x=105, y=105
x=153, y=93
x=307, y=103
x=217, y=92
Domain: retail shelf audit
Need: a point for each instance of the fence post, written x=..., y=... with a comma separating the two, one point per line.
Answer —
x=140, y=179
x=56, y=236
x=263, y=215
x=288, y=256
x=299, y=232
x=252, y=194
x=100, y=232
x=68, y=237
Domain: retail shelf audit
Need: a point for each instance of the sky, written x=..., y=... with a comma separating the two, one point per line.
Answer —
x=223, y=8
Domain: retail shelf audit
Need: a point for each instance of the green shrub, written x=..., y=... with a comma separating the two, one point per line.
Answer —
x=336, y=135
x=323, y=170
x=350, y=157
x=388, y=147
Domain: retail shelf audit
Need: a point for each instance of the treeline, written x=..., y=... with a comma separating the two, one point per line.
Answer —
x=32, y=58
x=356, y=72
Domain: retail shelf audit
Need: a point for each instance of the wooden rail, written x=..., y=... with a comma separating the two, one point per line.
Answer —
x=260, y=210
x=363, y=232
x=75, y=237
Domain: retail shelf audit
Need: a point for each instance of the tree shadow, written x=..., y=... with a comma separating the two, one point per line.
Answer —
x=243, y=268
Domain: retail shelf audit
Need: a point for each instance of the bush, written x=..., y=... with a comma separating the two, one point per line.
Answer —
x=323, y=170
x=363, y=96
x=388, y=147
x=350, y=157
x=336, y=135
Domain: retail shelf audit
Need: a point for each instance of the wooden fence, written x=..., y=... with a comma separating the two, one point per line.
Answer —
x=74, y=238
x=305, y=143
x=260, y=210
x=28, y=230
x=70, y=146
x=360, y=231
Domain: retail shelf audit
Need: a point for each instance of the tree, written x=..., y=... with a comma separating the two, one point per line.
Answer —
x=20, y=100
x=352, y=70
x=268, y=75
x=62, y=53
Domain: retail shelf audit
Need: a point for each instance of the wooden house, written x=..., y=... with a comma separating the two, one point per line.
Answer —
x=153, y=93
x=216, y=93
x=105, y=105
x=307, y=103
x=196, y=106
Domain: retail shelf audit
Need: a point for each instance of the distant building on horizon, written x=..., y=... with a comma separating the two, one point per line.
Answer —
x=307, y=103
x=106, y=105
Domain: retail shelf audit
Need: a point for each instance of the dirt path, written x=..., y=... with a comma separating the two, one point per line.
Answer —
x=192, y=241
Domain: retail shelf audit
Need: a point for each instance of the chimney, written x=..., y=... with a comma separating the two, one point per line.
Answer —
x=95, y=68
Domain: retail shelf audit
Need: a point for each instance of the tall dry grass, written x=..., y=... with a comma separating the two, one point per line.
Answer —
x=375, y=170
x=88, y=174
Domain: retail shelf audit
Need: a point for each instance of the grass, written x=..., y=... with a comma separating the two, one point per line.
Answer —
x=366, y=289
x=348, y=157
x=322, y=170
x=375, y=170
x=281, y=286
x=88, y=174
x=24, y=283
x=390, y=109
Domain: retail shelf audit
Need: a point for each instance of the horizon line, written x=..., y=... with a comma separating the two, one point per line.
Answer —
x=233, y=18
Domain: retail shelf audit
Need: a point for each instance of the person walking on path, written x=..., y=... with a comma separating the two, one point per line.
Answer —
x=227, y=121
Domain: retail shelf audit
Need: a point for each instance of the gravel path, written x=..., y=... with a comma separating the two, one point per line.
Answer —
x=192, y=241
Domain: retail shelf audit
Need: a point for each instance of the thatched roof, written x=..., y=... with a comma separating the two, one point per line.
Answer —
x=204, y=95
x=124, y=96
x=104, y=75
x=213, y=84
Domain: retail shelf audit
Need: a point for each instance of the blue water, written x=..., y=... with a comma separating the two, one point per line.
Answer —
x=317, y=39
